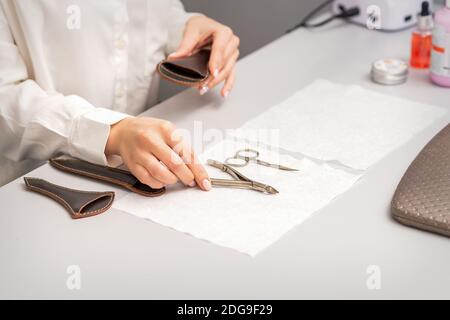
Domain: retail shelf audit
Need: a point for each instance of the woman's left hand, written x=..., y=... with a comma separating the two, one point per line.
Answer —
x=201, y=30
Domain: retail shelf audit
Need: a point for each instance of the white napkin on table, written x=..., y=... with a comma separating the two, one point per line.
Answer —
x=333, y=122
x=244, y=220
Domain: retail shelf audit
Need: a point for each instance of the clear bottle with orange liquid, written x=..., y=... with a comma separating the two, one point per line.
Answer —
x=422, y=39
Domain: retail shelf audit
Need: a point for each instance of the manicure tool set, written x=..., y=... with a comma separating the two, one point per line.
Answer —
x=241, y=159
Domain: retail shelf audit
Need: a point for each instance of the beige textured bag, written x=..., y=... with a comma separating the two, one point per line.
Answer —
x=422, y=199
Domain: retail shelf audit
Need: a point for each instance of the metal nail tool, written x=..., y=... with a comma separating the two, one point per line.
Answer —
x=240, y=181
x=244, y=156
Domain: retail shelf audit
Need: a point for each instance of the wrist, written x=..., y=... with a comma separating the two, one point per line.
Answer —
x=113, y=144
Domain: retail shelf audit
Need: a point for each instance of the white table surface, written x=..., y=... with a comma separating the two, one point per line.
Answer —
x=122, y=256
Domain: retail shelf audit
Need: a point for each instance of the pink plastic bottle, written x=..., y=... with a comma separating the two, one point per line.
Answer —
x=440, y=53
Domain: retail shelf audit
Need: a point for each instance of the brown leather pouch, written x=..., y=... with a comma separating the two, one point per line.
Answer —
x=108, y=174
x=422, y=199
x=80, y=204
x=190, y=71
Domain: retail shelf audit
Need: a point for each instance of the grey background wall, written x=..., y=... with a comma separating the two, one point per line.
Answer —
x=256, y=22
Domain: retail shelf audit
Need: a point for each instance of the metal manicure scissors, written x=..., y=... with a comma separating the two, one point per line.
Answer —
x=240, y=181
x=244, y=156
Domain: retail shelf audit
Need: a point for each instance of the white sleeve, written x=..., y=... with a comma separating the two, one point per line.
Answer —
x=37, y=124
x=177, y=19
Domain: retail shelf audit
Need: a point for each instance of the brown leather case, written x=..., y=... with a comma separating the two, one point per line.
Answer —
x=190, y=71
x=108, y=174
x=80, y=204
x=422, y=199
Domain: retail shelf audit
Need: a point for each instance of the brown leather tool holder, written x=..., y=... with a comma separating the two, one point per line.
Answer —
x=422, y=199
x=112, y=175
x=80, y=204
x=191, y=71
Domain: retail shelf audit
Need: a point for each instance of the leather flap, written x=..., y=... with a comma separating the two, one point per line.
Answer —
x=80, y=204
x=108, y=174
x=189, y=71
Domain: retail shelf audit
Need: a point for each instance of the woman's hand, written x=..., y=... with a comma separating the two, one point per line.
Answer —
x=200, y=31
x=147, y=147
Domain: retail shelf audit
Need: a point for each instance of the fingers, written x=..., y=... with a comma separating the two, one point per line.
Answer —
x=179, y=159
x=184, y=150
x=157, y=155
x=187, y=45
x=224, y=49
x=229, y=82
x=222, y=61
x=143, y=176
x=204, y=40
x=162, y=158
x=175, y=164
x=157, y=170
x=221, y=39
x=232, y=47
x=225, y=71
x=200, y=175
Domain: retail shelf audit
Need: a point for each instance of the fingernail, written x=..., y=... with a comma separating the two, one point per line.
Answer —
x=216, y=73
x=206, y=184
x=226, y=93
x=204, y=90
x=192, y=184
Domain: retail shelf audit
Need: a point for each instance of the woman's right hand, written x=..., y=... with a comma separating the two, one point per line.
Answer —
x=147, y=147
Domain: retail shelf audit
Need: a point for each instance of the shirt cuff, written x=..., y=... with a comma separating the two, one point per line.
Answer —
x=90, y=131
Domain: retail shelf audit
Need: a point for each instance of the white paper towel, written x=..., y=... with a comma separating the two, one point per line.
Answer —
x=333, y=122
x=245, y=220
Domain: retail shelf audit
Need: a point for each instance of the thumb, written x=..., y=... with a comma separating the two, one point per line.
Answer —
x=187, y=46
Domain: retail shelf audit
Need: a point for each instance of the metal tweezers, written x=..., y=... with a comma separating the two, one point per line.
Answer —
x=240, y=181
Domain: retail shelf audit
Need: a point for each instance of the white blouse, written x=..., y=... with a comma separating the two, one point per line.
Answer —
x=71, y=68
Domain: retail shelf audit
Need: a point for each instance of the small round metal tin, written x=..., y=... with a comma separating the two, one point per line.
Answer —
x=389, y=71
